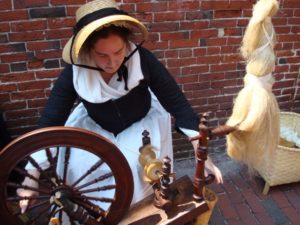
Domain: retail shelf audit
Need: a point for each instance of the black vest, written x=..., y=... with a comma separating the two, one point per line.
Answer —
x=118, y=114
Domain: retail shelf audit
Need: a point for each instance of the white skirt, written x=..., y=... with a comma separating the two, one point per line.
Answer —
x=157, y=122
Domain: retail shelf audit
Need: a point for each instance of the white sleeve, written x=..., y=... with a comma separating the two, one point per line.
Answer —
x=189, y=132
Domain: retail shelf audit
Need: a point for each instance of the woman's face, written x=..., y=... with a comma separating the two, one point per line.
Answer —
x=109, y=53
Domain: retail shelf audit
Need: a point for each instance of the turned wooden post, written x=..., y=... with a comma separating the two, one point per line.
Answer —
x=201, y=157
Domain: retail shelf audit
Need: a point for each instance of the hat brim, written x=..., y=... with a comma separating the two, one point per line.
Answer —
x=83, y=34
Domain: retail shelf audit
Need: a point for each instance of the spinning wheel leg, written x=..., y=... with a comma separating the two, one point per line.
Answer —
x=266, y=188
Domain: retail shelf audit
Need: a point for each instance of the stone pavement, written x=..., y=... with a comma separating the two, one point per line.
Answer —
x=240, y=198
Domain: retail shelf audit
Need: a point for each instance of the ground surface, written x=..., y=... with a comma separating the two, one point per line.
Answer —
x=240, y=198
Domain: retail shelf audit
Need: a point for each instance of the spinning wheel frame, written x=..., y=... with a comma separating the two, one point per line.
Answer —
x=43, y=138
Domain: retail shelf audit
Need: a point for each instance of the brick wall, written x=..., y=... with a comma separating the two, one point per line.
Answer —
x=198, y=41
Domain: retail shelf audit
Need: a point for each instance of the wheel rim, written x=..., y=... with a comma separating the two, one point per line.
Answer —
x=68, y=138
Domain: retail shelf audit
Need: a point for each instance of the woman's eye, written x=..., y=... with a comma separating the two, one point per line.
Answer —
x=101, y=56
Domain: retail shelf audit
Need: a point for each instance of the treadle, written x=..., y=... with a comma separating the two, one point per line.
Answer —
x=184, y=209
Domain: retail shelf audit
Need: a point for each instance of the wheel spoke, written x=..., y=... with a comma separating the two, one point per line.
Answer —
x=53, y=164
x=66, y=164
x=92, y=169
x=33, y=206
x=42, y=172
x=98, y=189
x=26, y=187
x=95, y=210
x=26, y=174
x=19, y=198
x=100, y=199
x=100, y=178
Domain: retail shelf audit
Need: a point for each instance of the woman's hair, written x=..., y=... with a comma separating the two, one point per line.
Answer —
x=104, y=32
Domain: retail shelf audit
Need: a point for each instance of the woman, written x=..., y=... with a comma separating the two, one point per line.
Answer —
x=122, y=89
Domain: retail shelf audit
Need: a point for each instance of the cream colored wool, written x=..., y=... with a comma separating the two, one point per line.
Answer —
x=255, y=111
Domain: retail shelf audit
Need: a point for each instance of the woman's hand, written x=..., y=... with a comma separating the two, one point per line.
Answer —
x=28, y=193
x=209, y=165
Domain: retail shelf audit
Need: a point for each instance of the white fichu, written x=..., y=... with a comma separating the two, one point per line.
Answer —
x=255, y=111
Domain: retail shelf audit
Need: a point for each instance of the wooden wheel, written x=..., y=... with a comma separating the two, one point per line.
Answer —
x=52, y=142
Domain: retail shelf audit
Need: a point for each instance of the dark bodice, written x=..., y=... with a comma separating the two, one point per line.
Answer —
x=118, y=114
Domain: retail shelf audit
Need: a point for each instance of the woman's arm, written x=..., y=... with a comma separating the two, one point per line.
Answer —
x=167, y=91
x=173, y=100
x=61, y=100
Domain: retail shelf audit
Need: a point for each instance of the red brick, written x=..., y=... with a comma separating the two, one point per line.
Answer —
x=213, y=50
x=15, y=57
x=216, y=41
x=29, y=25
x=22, y=122
x=27, y=94
x=264, y=218
x=4, y=27
x=5, y=5
x=197, y=33
x=225, y=5
x=57, y=23
x=36, y=103
x=17, y=77
x=33, y=85
x=292, y=214
x=68, y=2
x=247, y=218
x=195, y=86
x=234, y=221
x=253, y=201
x=296, y=12
x=227, y=14
x=26, y=36
x=19, y=4
x=294, y=199
x=199, y=51
x=7, y=88
x=13, y=15
x=195, y=69
x=4, y=68
x=195, y=25
x=183, y=43
x=52, y=54
x=168, y=16
x=184, y=5
x=26, y=113
x=59, y=34
x=291, y=4
x=165, y=26
x=279, y=21
x=183, y=62
x=226, y=207
x=4, y=97
x=223, y=23
x=165, y=36
x=223, y=67
x=286, y=38
x=6, y=106
x=42, y=45
x=152, y=7
x=183, y=53
x=36, y=64
x=209, y=59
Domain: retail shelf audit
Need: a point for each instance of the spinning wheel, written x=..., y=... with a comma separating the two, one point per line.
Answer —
x=57, y=195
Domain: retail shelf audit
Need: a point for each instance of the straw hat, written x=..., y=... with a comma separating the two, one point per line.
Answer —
x=93, y=16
